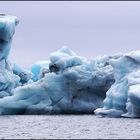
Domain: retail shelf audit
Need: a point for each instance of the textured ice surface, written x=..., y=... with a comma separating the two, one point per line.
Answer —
x=123, y=98
x=8, y=80
x=39, y=69
x=63, y=59
x=68, y=83
x=73, y=84
x=25, y=75
x=7, y=29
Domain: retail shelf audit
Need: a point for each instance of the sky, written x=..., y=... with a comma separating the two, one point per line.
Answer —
x=90, y=28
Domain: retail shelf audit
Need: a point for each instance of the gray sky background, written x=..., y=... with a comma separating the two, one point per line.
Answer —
x=88, y=28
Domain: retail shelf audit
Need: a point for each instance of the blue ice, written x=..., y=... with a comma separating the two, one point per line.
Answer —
x=68, y=83
x=72, y=84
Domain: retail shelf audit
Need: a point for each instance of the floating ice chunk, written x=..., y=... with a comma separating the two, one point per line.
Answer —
x=78, y=87
x=122, y=98
x=8, y=80
x=39, y=69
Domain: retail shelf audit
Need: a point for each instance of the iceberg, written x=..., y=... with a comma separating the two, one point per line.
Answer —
x=71, y=84
x=68, y=83
x=8, y=80
x=122, y=99
x=39, y=69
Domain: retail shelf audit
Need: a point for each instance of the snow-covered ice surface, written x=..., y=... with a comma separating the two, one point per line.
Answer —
x=68, y=126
